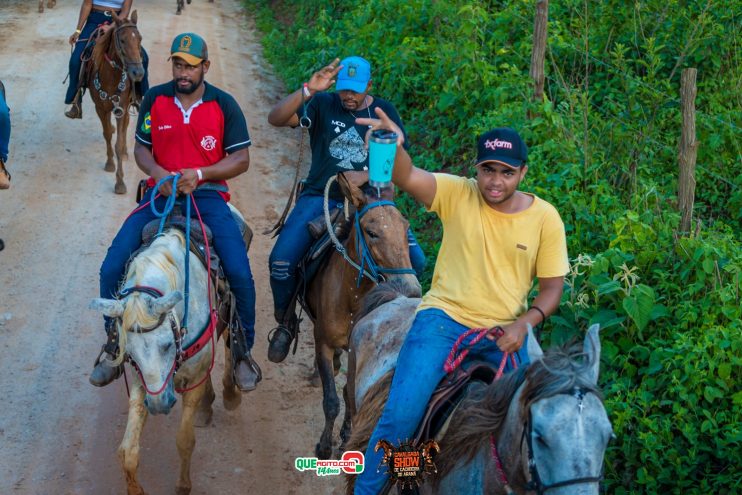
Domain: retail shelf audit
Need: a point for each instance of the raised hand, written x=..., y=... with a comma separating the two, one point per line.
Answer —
x=383, y=122
x=325, y=77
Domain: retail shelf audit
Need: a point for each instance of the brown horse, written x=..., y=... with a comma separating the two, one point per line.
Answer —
x=116, y=65
x=334, y=294
x=49, y=3
x=181, y=5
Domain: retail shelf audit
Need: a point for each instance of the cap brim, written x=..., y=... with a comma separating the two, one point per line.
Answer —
x=190, y=59
x=357, y=86
x=502, y=160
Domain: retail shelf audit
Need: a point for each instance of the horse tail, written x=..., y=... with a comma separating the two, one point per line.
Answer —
x=381, y=294
x=365, y=420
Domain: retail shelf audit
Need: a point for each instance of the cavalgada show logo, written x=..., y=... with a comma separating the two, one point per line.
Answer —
x=350, y=463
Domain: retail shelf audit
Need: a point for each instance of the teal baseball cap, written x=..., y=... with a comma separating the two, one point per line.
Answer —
x=354, y=76
x=190, y=47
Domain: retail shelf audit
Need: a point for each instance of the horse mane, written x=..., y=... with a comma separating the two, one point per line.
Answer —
x=483, y=413
x=366, y=418
x=102, y=44
x=157, y=255
x=381, y=294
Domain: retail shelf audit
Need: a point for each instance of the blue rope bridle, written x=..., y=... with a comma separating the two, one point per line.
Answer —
x=368, y=266
x=162, y=215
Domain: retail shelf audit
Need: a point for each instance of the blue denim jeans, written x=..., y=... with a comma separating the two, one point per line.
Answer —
x=4, y=129
x=419, y=371
x=295, y=240
x=94, y=20
x=228, y=244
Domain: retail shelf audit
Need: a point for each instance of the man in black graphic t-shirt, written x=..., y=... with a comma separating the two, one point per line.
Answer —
x=337, y=144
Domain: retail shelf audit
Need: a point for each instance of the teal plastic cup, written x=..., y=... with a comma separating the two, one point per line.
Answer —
x=382, y=148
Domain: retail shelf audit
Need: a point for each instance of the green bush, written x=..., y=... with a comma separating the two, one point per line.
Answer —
x=603, y=146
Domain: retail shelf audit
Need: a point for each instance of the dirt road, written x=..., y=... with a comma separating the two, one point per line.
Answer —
x=58, y=434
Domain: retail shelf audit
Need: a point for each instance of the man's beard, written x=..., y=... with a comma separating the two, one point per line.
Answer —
x=189, y=89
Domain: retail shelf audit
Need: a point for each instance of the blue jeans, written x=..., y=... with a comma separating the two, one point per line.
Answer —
x=94, y=20
x=295, y=240
x=4, y=129
x=419, y=371
x=228, y=244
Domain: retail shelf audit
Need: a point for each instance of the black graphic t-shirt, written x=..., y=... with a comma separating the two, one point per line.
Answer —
x=337, y=142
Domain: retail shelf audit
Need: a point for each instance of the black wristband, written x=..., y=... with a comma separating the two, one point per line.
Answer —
x=543, y=316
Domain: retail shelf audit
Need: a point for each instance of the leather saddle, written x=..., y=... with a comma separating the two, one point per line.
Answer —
x=447, y=397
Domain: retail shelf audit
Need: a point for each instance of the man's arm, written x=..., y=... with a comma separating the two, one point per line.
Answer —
x=419, y=183
x=549, y=295
x=283, y=114
x=227, y=168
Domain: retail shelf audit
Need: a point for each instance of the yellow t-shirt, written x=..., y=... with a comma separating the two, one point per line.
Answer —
x=488, y=259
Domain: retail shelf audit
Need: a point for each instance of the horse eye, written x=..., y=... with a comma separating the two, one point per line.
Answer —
x=166, y=347
x=541, y=441
x=372, y=234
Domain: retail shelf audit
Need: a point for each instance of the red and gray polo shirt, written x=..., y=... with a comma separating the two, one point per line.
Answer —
x=199, y=137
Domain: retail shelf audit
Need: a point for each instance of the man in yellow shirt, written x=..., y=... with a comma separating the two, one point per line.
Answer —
x=496, y=240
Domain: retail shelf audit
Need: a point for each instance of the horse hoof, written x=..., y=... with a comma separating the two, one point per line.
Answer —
x=231, y=399
x=119, y=188
x=203, y=417
x=109, y=167
x=322, y=453
x=182, y=490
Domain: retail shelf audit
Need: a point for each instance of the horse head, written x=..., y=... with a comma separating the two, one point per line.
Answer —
x=147, y=317
x=128, y=43
x=380, y=231
x=567, y=428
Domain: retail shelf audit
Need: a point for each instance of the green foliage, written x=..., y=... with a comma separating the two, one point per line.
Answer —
x=603, y=146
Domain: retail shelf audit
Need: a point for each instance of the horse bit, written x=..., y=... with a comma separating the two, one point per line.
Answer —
x=538, y=486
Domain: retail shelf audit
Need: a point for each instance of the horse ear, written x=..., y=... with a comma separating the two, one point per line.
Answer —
x=109, y=307
x=534, y=349
x=166, y=303
x=350, y=184
x=591, y=348
x=133, y=17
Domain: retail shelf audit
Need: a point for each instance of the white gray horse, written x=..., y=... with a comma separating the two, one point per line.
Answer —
x=149, y=316
x=546, y=420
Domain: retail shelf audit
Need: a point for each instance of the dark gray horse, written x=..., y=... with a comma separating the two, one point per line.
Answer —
x=181, y=5
x=546, y=419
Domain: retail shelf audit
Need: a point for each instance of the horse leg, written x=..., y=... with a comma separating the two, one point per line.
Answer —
x=186, y=439
x=205, y=411
x=330, y=402
x=51, y=3
x=121, y=126
x=41, y=6
x=230, y=395
x=179, y=3
x=128, y=451
x=105, y=120
x=315, y=380
x=345, y=430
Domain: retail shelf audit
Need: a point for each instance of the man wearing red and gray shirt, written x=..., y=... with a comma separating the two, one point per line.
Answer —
x=189, y=127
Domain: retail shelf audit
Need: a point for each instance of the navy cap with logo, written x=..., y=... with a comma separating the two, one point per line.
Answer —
x=502, y=145
x=354, y=76
x=190, y=47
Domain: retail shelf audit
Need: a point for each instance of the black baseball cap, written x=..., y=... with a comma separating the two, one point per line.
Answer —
x=502, y=145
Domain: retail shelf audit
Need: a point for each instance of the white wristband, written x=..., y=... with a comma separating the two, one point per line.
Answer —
x=305, y=90
x=200, y=174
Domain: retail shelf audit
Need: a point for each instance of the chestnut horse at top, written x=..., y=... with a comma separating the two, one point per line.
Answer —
x=49, y=3
x=115, y=65
x=181, y=5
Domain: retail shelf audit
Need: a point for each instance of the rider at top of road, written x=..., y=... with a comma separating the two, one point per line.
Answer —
x=95, y=13
x=337, y=144
x=190, y=127
x=496, y=239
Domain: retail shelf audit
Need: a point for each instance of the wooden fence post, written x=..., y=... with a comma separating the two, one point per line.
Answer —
x=539, y=48
x=688, y=149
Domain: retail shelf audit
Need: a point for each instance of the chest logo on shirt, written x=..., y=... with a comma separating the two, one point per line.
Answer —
x=349, y=148
x=208, y=143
